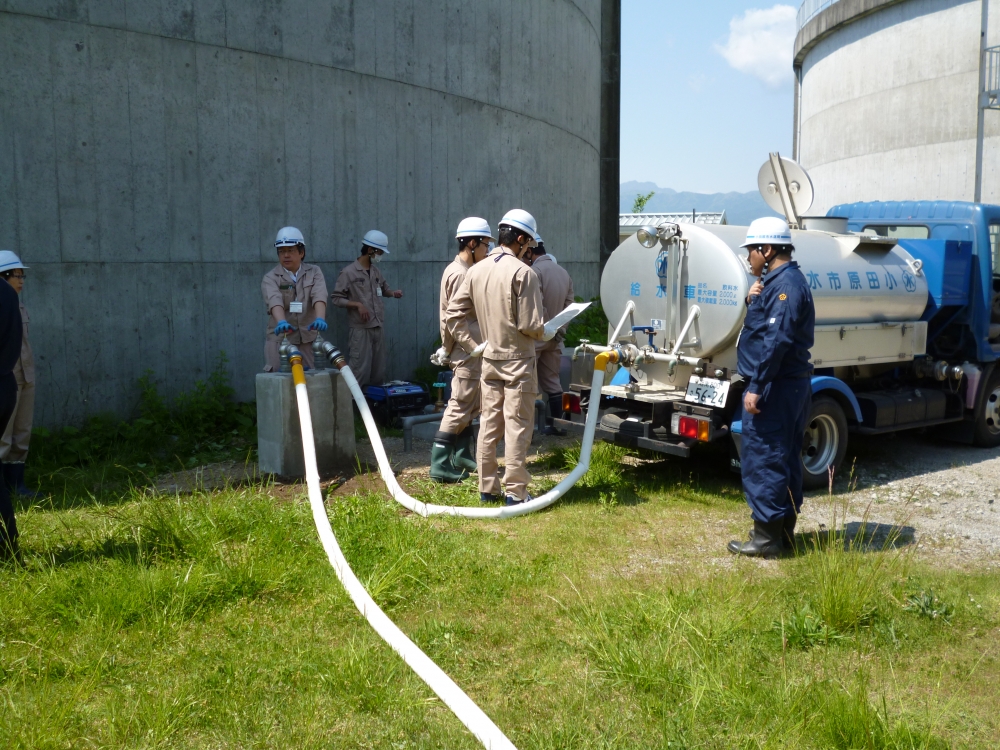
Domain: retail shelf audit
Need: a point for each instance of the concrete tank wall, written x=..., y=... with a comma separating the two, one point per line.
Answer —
x=149, y=151
x=888, y=101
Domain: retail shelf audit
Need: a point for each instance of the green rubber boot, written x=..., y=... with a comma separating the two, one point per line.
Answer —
x=463, y=457
x=442, y=469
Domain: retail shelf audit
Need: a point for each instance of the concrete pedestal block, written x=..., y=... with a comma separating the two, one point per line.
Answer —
x=279, y=438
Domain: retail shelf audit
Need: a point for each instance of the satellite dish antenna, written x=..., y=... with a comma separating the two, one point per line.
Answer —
x=785, y=187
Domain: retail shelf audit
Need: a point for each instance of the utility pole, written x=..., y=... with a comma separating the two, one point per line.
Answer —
x=988, y=95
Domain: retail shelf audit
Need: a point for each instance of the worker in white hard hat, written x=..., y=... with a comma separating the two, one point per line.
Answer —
x=17, y=437
x=773, y=363
x=451, y=452
x=295, y=297
x=557, y=295
x=360, y=289
x=11, y=333
x=504, y=296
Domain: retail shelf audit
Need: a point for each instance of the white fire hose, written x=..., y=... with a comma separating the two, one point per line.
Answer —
x=451, y=694
x=429, y=509
x=473, y=717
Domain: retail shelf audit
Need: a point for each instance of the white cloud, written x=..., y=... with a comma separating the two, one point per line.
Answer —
x=760, y=43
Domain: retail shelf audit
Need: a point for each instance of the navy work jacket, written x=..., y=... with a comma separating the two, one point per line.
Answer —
x=777, y=330
x=10, y=328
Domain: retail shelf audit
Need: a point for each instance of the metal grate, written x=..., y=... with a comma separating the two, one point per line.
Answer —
x=810, y=9
x=991, y=87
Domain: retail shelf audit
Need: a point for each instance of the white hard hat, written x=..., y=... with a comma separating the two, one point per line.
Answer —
x=378, y=240
x=473, y=226
x=289, y=236
x=538, y=238
x=769, y=230
x=520, y=219
x=9, y=261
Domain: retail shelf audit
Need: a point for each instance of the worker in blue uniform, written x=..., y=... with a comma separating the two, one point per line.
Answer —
x=773, y=361
x=10, y=351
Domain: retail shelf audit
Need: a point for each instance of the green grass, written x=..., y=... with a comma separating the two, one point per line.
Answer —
x=612, y=620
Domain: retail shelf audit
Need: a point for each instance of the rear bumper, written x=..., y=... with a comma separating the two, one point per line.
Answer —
x=681, y=448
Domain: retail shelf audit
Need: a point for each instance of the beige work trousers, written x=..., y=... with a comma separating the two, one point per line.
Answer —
x=463, y=406
x=14, y=443
x=549, y=361
x=366, y=355
x=508, y=409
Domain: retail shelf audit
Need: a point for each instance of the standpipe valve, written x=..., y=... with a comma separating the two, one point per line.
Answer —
x=295, y=360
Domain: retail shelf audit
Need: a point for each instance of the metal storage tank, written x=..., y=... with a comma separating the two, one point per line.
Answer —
x=150, y=149
x=887, y=100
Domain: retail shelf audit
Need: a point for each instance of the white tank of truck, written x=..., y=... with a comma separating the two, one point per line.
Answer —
x=685, y=285
x=854, y=280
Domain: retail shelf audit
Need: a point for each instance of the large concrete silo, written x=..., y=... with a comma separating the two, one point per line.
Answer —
x=887, y=100
x=149, y=150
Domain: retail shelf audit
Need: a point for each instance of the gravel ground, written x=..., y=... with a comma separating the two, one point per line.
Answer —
x=941, y=496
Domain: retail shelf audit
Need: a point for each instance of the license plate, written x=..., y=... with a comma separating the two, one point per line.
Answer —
x=707, y=391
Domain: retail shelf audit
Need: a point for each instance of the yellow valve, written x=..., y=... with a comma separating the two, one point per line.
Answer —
x=601, y=360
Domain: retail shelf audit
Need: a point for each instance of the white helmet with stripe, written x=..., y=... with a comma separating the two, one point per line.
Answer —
x=9, y=261
x=377, y=240
x=289, y=236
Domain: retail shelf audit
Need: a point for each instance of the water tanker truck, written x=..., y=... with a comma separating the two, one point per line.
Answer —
x=907, y=326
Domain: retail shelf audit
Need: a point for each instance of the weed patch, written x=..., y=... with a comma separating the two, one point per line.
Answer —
x=106, y=456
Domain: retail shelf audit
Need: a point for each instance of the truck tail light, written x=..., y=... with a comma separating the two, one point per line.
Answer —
x=695, y=428
x=704, y=430
x=571, y=403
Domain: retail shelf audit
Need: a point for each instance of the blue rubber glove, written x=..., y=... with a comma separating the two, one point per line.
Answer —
x=318, y=325
x=282, y=328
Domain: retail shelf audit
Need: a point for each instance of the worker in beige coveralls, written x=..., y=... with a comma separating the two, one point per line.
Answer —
x=17, y=437
x=295, y=296
x=451, y=451
x=361, y=288
x=503, y=294
x=557, y=295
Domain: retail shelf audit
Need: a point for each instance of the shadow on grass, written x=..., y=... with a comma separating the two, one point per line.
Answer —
x=69, y=488
x=857, y=536
x=81, y=553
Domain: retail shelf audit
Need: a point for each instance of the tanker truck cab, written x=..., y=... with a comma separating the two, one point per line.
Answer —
x=907, y=331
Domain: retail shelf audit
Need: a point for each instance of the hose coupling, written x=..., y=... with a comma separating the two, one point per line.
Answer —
x=333, y=355
x=602, y=360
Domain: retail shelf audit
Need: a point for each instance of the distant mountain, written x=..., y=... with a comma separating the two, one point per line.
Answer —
x=740, y=208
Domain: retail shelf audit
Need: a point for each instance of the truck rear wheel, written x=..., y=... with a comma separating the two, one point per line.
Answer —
x=986, y=432
x=825, y=442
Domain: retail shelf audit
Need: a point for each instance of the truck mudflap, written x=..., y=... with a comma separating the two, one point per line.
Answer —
x=681, y=448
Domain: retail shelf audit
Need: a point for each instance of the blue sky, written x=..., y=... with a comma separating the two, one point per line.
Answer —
x=706, y=91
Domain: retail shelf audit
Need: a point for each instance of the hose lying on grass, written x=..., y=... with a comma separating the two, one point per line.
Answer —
x=453, y=696
x=429, y=509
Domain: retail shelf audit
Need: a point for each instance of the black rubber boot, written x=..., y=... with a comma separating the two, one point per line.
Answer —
x=555, y=411
x=442, y=469
x=464, y=458
x=788, y=531
x=766, y=541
